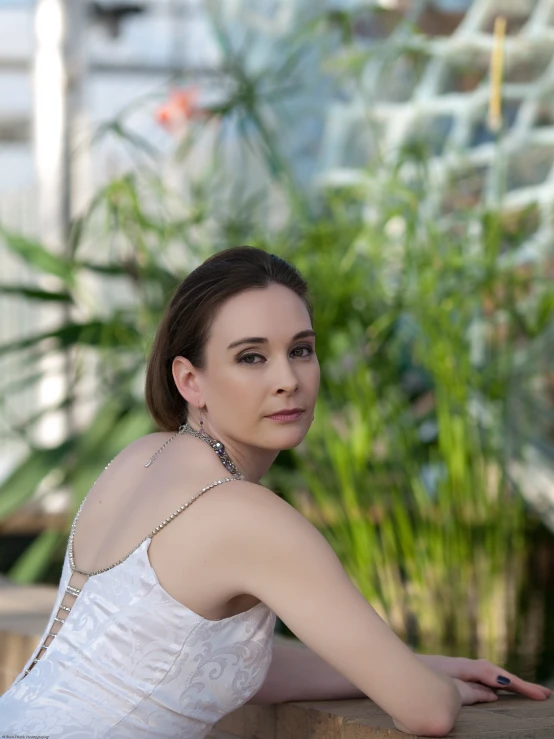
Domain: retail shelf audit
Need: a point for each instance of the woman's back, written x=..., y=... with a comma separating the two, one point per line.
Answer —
x=136, y=656
x=128, y=501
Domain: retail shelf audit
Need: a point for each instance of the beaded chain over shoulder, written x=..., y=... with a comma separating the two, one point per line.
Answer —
x=217, y=446
x=152, y=533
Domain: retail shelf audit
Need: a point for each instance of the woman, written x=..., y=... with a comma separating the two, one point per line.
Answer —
x=165, y=637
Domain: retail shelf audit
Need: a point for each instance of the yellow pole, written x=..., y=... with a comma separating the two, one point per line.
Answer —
x=496, y=68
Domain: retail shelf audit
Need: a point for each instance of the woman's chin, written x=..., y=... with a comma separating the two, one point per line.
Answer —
x=291, y=438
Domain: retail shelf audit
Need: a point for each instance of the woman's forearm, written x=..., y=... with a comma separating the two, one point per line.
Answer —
x=297, y=673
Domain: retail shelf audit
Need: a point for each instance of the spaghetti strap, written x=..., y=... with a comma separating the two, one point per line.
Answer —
x=75, y=592
x=152, y=533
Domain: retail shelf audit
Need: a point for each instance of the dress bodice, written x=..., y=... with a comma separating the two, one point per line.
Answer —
x=131, y=661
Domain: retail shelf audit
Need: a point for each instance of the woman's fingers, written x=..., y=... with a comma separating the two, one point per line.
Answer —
x=485, y=672
x=471, y=692
x=530, y=690
x=482, y=693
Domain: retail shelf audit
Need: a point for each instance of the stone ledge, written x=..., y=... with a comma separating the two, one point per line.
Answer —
x=24, y=611
x=512, y=717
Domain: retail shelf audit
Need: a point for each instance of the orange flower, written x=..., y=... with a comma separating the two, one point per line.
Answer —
x=181, y=107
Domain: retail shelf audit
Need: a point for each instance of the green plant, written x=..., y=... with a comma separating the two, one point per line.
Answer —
x=404, y=468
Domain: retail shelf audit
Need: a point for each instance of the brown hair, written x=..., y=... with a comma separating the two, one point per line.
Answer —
x=186, y=323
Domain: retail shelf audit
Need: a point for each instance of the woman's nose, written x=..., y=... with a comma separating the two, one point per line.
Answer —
x=286, y=377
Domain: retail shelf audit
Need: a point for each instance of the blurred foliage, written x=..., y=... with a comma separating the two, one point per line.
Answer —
x=419, y=323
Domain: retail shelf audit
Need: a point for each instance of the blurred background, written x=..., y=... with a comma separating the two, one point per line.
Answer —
x=401, y=154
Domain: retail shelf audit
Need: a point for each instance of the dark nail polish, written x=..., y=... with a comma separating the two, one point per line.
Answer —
x=503, y=680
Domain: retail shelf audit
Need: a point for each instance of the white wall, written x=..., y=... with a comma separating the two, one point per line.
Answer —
x=155, y=38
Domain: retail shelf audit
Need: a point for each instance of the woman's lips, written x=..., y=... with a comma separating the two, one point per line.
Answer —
x=286, y=416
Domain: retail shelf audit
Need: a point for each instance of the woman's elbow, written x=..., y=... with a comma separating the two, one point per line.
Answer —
x=438, y=726
x=440, y=720
x=435, y=725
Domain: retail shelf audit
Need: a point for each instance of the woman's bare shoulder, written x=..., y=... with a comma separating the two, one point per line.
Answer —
x=147, y=444
x=196, y=466
x=156, y=437
x=254, y=504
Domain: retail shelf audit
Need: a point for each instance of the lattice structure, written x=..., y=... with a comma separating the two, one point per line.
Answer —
x=437, y=89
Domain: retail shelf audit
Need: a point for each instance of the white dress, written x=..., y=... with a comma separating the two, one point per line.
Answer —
x=132, y=662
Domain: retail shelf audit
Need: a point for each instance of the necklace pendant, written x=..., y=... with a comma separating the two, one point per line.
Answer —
x=216, y=445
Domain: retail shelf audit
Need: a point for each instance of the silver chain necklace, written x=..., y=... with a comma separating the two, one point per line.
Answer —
x=217, y=446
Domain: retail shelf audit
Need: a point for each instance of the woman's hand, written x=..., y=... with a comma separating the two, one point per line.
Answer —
x=477, y=679
x=471, y=692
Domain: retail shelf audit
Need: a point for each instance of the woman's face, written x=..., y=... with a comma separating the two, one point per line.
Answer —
x=257, y=364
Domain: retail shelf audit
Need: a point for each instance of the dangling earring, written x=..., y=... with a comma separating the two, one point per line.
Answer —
x=201, y=423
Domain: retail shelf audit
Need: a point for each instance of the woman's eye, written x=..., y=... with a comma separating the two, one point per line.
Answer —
x=245, y=359
x=249, y=356
x=307, y=348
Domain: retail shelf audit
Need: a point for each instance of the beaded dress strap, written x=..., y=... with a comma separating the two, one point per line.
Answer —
x=75, y=592
x=152, y=533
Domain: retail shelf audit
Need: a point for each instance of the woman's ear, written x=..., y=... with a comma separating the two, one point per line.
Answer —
x=186, y=381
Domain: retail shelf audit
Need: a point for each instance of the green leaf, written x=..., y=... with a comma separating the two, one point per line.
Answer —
x=111, y=270
x=133, y=425
x=544, y=313
x=33, y=293
x=76, y=234
x=151, y=271
x=101, y=334
x=38, y=256
x=99, y=429
x=111, y=430
x=26, y=477
x=34, y=561
x=127, y=134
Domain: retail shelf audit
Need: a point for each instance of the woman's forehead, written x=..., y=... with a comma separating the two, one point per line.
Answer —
x=262, y=307
x=269, y=313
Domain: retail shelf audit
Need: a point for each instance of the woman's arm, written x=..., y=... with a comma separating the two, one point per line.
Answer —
x=299, y=674
x=271, y=551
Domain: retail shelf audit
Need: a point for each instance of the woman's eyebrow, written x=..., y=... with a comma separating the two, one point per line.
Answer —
x=263, y=340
